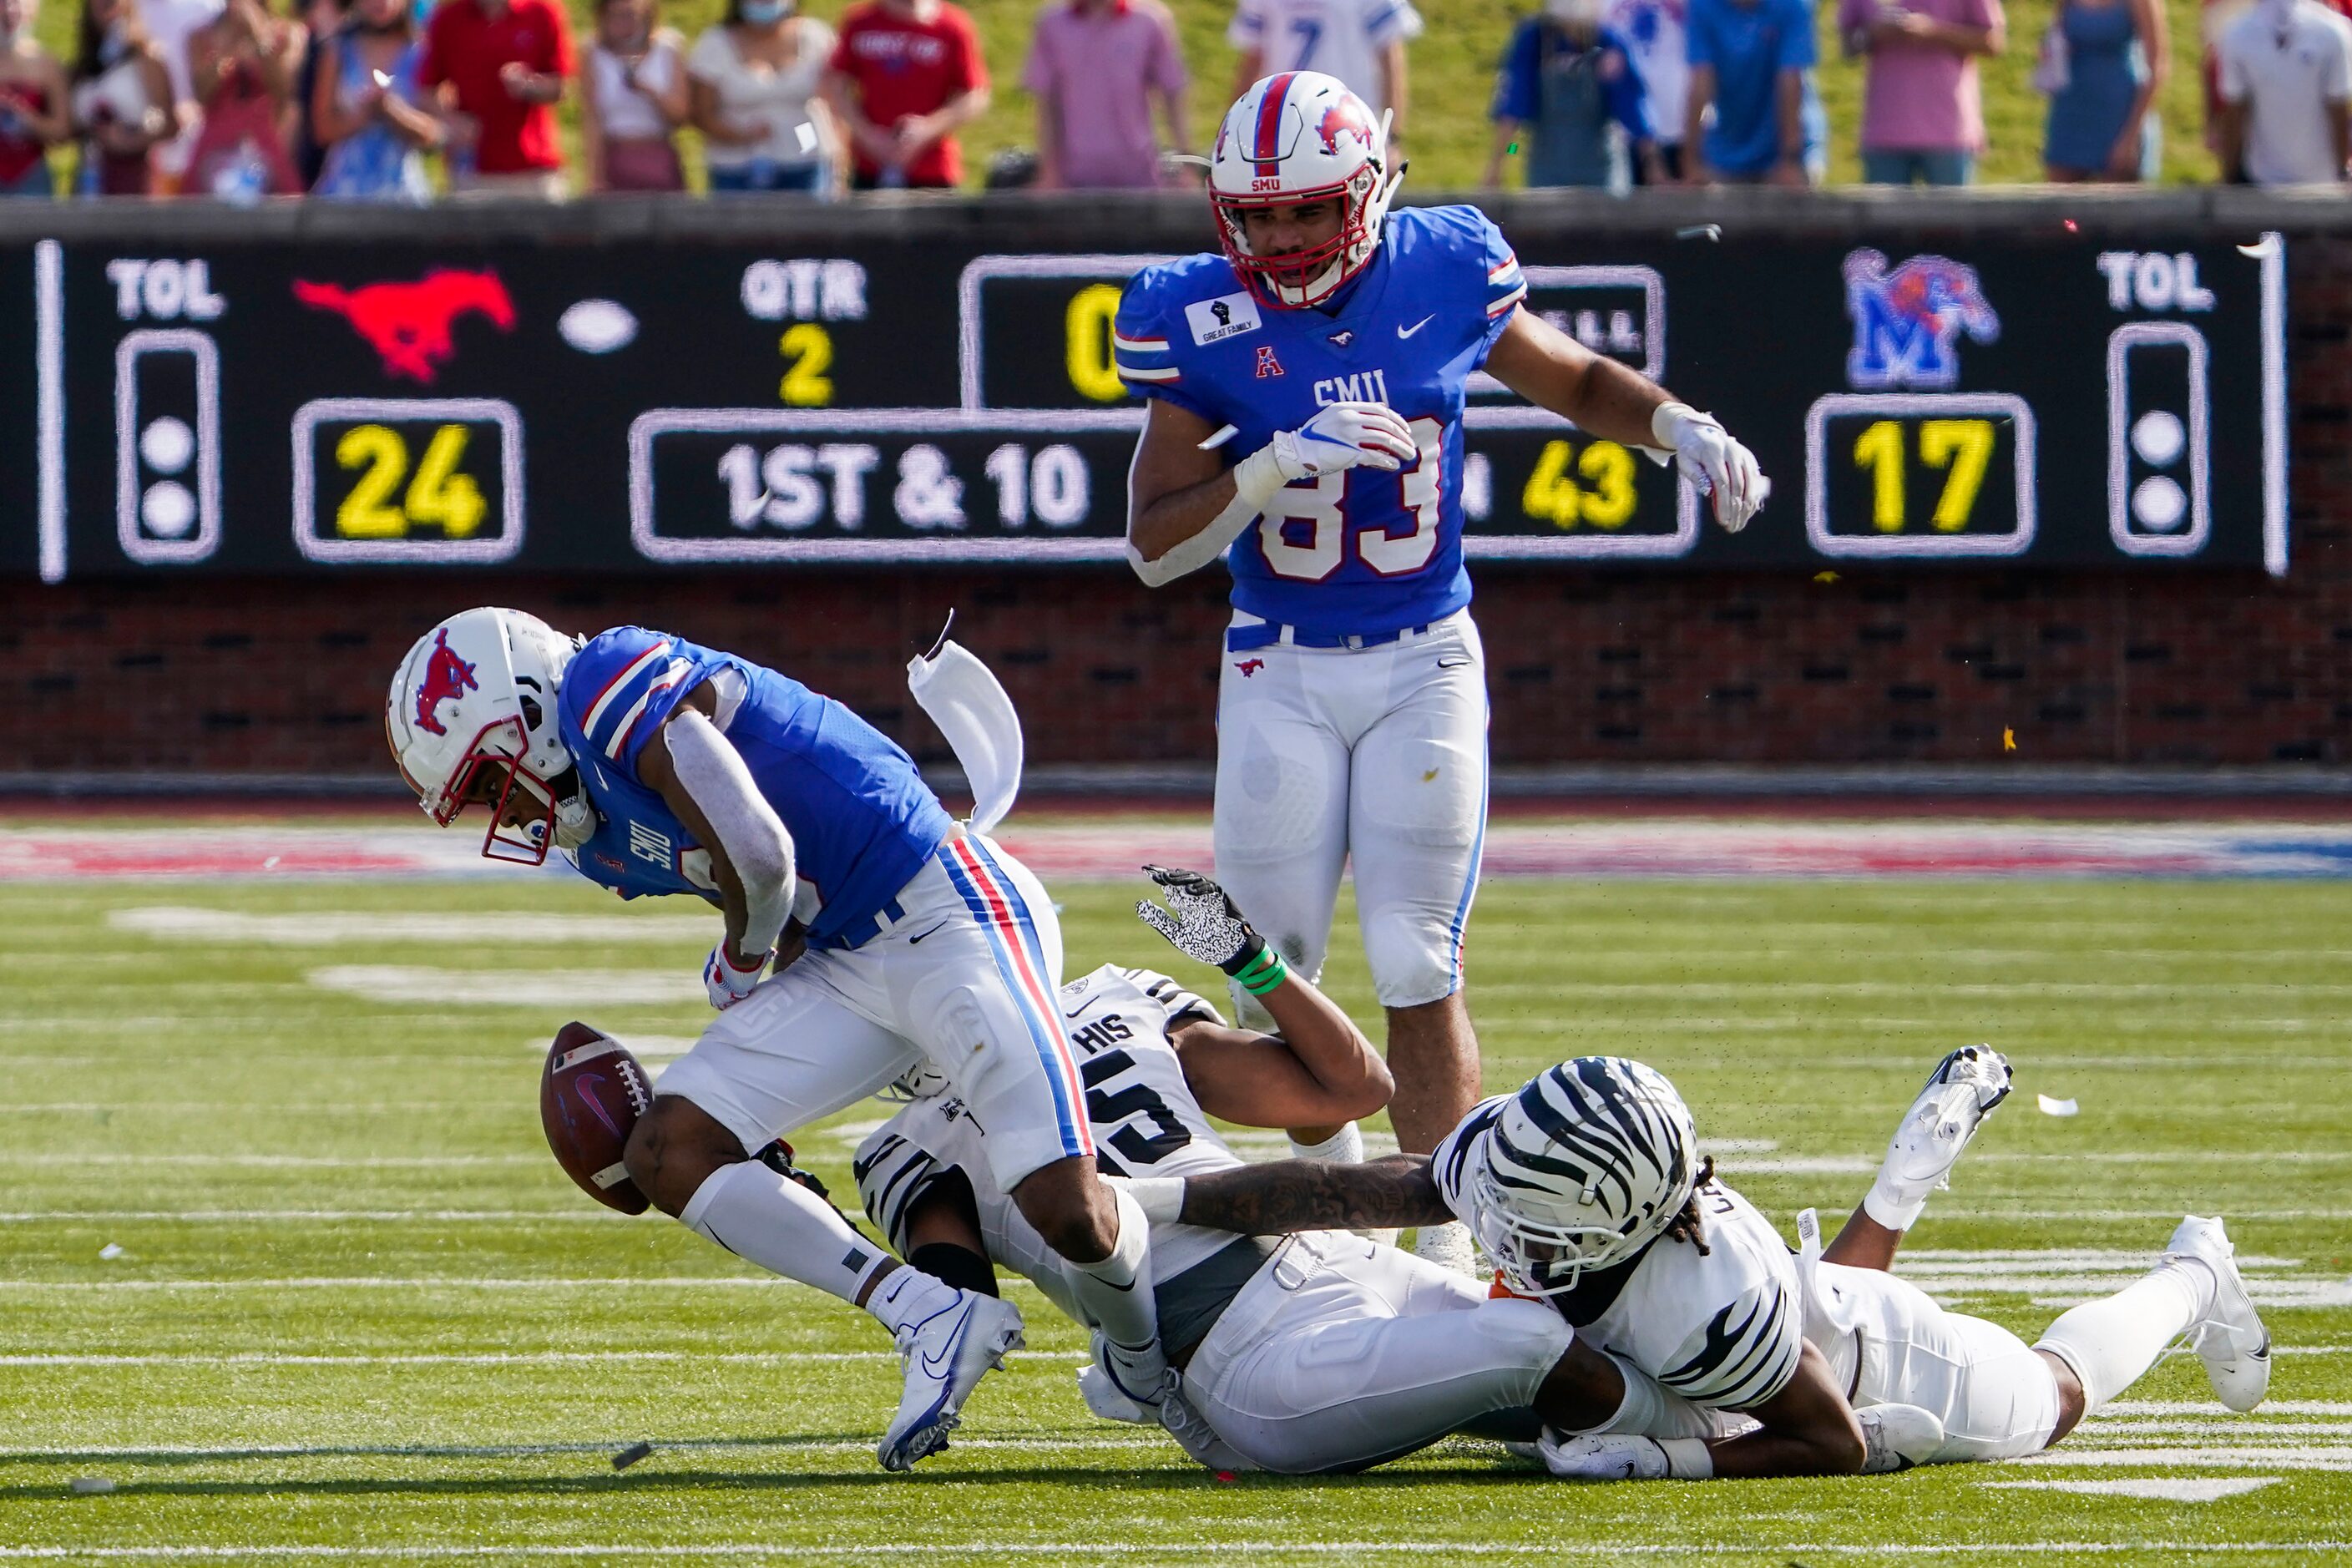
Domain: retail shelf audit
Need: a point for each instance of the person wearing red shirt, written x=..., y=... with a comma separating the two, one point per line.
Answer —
x=905, y=75
x=501, y=67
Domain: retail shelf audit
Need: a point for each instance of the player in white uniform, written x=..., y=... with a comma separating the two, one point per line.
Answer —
x=1307, y=393
x=1314, y=1352
x=1586, y=1189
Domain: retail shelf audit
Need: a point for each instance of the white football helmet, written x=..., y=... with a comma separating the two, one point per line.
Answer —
x=1302, y=137
x=477, y=691
x=1587, y=1165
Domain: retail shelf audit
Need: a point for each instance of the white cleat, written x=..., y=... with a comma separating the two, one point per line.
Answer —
x=2231, y=1341
x=1897, y=1437
x=1960, y=1093
x=945, y=1355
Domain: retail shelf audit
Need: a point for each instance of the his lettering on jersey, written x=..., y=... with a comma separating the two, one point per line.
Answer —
x=1364, y=386
x=1227, y=316
x=1102, y=1033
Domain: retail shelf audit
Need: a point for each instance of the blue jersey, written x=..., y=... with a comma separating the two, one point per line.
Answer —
x=861, y=819
x=1364, y=551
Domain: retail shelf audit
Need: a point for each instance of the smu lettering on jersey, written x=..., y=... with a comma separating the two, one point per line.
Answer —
x=1723, y=1328
x=1145, y=1119
x=1364, y=551
x=861, y=818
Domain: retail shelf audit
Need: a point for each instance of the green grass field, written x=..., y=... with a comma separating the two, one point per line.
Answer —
x=358, y=1315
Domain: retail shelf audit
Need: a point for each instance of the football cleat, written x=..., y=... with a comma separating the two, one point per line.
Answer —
x=1897, y=1437
x=1960, y=1093
x=2231, y=1340
x=1139, y=1376
x=945, y=1355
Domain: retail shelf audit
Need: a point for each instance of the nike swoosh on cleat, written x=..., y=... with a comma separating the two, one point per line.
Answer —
x=931, y=1366
x=1404, y=332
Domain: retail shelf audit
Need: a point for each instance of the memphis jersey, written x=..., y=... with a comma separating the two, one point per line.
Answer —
x=861, y=818
x=1145, y=1119
x=1364, y=551
x=1723, y=1328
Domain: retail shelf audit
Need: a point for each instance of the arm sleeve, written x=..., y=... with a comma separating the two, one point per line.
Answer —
x=1629, y=102
x=1450, y=1167
x=1745, y=1354
x=970, y=72
x=1182, y=1005
x=2232, y=81
x=558, y=61
x=757, y=845
x=429, y=71
x=1504, y=286
x=1143, y=348
x=1515, y=78
x=1698, y=37
x=1168, y=73
x=1392, y=21
x=1798, y=48
x=892, y=1169
x=1247, y=30
x=1037, y=70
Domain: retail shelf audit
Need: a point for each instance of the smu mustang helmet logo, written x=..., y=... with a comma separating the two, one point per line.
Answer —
x=447, y=679
x=1908, y=322
x=1348, y=117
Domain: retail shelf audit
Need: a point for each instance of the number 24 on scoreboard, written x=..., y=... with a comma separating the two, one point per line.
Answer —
x=426, y=481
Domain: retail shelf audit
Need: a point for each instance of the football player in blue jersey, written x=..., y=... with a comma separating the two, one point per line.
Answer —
x=900, y=936
x=1305, y=423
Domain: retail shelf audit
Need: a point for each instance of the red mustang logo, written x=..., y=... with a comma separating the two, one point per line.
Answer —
x=1348, y=117
x=447, y=679
x=408, y=323
x=1250, y=666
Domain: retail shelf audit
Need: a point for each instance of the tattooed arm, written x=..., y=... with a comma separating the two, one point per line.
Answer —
x=1285, y=1195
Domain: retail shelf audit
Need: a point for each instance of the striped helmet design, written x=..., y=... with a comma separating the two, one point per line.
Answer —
x=1584, y=1167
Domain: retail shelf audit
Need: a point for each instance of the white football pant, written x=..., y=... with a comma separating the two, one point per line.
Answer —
x=1375, y=754
x=964, y=975
x=1997, y=1398
x=1341, y=1352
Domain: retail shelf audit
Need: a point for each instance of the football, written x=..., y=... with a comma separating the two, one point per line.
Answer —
x=589, y=1095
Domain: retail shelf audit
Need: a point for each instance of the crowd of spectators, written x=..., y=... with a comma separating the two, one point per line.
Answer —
x=395, y=100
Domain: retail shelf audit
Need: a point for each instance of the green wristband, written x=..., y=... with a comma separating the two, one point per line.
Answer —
x=1266, y=973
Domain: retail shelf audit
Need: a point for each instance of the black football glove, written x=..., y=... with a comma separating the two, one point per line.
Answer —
x=1201, y=921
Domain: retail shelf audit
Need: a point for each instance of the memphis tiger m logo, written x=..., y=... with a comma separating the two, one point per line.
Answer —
x=1908, y=320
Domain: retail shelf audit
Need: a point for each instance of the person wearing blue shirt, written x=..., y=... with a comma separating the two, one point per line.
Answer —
x=1565, y=81
x=1307, y=389
x=1753, y=62
x=899, y=937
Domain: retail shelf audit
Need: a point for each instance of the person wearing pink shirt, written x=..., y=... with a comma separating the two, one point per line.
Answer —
x=1095, y=67
x=1922, y=113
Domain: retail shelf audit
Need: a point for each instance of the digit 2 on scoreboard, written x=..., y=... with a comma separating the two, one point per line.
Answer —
x=418, y=481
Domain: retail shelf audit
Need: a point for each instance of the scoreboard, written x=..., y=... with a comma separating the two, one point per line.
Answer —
x=259, y=406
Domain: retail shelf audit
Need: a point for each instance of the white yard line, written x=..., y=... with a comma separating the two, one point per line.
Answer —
x=2157, y=1489
x=175, y=923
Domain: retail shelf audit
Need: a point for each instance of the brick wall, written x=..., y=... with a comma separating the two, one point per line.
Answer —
x=1649, y=666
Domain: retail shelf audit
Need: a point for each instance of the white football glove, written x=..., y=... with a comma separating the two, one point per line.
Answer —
x=1624, y=1456
x=1713, y=463
x=1342, y=435
x=723, y=983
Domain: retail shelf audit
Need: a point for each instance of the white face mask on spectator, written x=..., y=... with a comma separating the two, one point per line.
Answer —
x=760, y=13
x=1574, y=13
